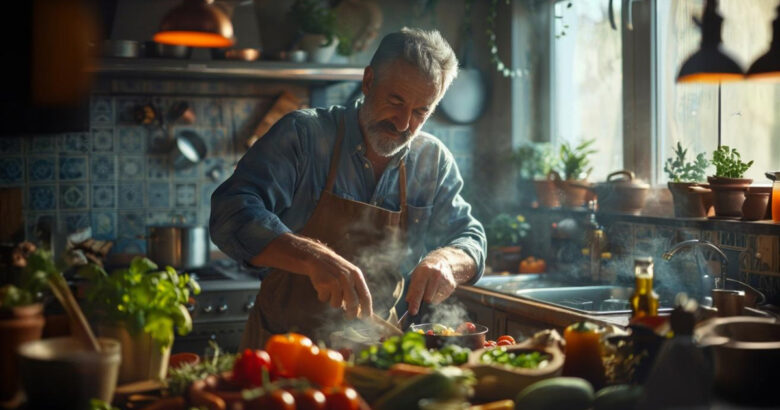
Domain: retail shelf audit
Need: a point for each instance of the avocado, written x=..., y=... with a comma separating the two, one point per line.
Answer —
x=571, y=393
x=617, y=397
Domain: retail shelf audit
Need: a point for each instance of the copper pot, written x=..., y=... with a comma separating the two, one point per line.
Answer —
x=621, y=193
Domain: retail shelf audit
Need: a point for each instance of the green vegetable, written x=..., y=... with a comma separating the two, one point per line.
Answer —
x=728, y=163
x=680, y=170
x=574, y=159
x=571, y=393
x=527, y=360
x=445, y=383
x=28, y=283
x=410, y=348
x=180, y=378
x=618, y=397
x=505, y=230
x=535, y=160
x=143, y=298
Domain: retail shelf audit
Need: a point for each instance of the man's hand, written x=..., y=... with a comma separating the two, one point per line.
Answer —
x=432, y=281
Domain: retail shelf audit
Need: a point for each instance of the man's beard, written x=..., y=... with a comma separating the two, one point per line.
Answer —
x=384, y=144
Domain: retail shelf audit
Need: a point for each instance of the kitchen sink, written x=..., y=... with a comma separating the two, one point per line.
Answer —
x=511, y=284
x=592, y=300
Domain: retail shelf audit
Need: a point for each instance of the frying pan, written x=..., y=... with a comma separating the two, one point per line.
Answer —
x=464, y=101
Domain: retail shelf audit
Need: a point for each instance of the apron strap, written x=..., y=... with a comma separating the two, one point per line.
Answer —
x=402, y=193
x=335, y=158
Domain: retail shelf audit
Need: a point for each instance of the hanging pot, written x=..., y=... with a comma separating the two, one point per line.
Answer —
x=621, y=195
x=188, y=149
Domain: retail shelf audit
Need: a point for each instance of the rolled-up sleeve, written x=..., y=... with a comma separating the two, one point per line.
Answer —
x=245, y=208
x=452, y=223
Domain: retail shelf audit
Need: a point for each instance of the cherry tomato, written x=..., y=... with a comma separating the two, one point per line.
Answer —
x=486, y=344
x=310, y=399
x=284, y=351
x=503, y=343
x=493, y=343
x=342, y=398
x=430, y=332
x=322, y=366
x=248, y=368
x=467, y=327
x=508, y=338
x=273, y=400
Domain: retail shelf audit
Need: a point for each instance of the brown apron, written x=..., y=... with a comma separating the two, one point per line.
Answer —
x=368, y=236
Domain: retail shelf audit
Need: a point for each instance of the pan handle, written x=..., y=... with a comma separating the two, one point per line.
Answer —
x=627, y=173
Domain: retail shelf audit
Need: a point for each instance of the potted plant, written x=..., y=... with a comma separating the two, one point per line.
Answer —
x=575, y=166
x=21, y=308
x=684, y=174
x=504, y=236
x=317, y=23
x=141, y=306
x=728, y=184
x=535, y=164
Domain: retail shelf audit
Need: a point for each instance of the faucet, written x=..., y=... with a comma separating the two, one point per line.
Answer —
x=724, y=261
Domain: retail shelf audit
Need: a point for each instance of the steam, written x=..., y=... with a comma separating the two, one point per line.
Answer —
x=450, y=312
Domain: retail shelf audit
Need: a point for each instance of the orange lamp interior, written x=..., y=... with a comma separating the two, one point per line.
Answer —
x=193, y=39
x=713, y=78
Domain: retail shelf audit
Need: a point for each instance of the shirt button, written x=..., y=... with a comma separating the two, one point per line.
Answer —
x=366, y=165
x=416, y=220
x=360, y=146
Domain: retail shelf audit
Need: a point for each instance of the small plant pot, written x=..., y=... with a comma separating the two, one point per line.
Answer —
x=18, y=326
x=142, y=356
x=574, y=193
x=756, y=203
x=318, y=52
x=548, y=191
x=505, y=258
x=729, y=195
x=690, y=203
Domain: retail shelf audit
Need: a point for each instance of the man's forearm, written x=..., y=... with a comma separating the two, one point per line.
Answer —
x=463, y=266
x=289, y=252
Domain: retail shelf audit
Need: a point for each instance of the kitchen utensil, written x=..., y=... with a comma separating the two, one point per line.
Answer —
x=178, y=245
x=624, y=195
x=79, y=326
x=188, y=149
x=386, y=326
x=121, y=48
x=170, y=51
x=472, y=341
x=61, y=373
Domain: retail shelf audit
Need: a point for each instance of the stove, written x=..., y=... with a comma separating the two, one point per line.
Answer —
x=219, y=312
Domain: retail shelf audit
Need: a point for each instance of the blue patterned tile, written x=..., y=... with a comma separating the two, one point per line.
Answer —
x=74, y=196
x=244, y=111
x=129, y=246
x=104, y=225
x=42, y=197
x=43, y=144
x=101, y=111
x=131, y=166
x=157, y=141
x=159, y=195
x=74, y=221
x=103, y=139
x=11, y=170
x=132, y=139
x=159, y=217
x=157, y=167
x=190, y=173
x=209, y=112
x=42, y=169
x=11, y=145
x=185, y=194
x=103, y=196
x=73, y=168
x=207, y=190
x=131, y=224
x=103, y=167
x=131, y=195
x=214, y=169
x=130, y=85
x=217, y=141
x=159, y=86
x=125, y=109
x=74, y=143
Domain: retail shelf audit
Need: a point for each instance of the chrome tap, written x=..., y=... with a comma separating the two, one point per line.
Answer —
x=724, y=261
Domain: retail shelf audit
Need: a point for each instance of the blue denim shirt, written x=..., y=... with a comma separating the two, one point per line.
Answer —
x=276, y=185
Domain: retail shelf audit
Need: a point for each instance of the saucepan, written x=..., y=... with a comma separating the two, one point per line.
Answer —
x=178, y=245
x=621, y=193
x=473, y=340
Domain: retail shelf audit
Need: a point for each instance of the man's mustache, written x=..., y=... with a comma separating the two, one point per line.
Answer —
x=388, y=126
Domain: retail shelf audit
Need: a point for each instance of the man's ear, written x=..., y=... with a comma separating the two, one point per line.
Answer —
x=368, y=79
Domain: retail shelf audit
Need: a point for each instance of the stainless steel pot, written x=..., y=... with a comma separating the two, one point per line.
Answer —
x=183, y=247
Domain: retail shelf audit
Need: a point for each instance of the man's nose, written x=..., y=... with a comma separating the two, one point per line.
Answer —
x=401, y=120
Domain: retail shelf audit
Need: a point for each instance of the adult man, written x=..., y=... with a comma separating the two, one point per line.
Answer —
x=347, y=204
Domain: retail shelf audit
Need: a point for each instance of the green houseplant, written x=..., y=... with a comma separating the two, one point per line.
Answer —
x=536, y=165
x=686, y=178
x=505, y=234
x=141, y=306
x=317, y=23
x=575, y=167
x=728, y=184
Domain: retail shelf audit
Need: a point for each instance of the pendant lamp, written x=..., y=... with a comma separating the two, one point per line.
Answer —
x=710, y=64
x=196, y=23
x=767, y=67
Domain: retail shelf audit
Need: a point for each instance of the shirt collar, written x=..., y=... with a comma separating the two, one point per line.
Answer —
x=353, y=137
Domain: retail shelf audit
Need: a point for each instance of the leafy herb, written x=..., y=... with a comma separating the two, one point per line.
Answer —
x=535, y=160
x=410, y=349
x=315, y=18
x=142, y=298
x=728, y=163
x=680, y=170
x=574, y=159
x=505, y=230
x=527, y=360
x=180, y=378
x=97, y=404
x=30, y=273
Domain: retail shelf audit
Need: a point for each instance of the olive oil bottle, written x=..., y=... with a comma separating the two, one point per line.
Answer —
x=644, y=301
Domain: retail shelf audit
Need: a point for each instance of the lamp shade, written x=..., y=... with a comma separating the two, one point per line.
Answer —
x=196, y=23
x=710, y=64
x=768, y=65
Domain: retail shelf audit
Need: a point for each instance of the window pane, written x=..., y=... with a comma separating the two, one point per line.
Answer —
x=588, y=81
x=750, y=110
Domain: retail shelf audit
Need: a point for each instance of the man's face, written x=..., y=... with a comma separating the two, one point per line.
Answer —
x=399, y=99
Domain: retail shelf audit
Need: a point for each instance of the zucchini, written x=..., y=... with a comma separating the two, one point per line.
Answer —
x=406, y=395
x=617, y=397
x=571, y=393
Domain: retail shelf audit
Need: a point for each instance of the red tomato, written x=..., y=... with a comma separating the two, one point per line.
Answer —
x=493, y=343
x=324, y=367
x=248, y=368
x=284, y=351
x=503, y=343
x=273, y=400
x=467, y=327
x=342, y=398
x=310, y=399
x=430, y=332
x=486, y=344
x=507, y=338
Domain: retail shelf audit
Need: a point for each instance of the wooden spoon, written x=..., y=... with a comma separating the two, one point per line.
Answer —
x=80, y=327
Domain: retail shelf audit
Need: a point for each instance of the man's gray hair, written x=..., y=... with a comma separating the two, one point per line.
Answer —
x=426, y=50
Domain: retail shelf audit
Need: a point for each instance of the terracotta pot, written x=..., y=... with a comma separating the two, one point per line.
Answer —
x=505, y=258
x=729, y=195
x=547, y=193
x=690, y=203
x=756, y=203
x=574, y=193
x=21, y=325
x=142, y=358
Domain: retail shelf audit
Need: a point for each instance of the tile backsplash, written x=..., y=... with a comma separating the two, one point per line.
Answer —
x=118, y=179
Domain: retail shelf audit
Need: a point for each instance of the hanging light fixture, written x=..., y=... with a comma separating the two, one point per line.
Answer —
x=196, y=23
x=710, y=64
x=768, y=65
